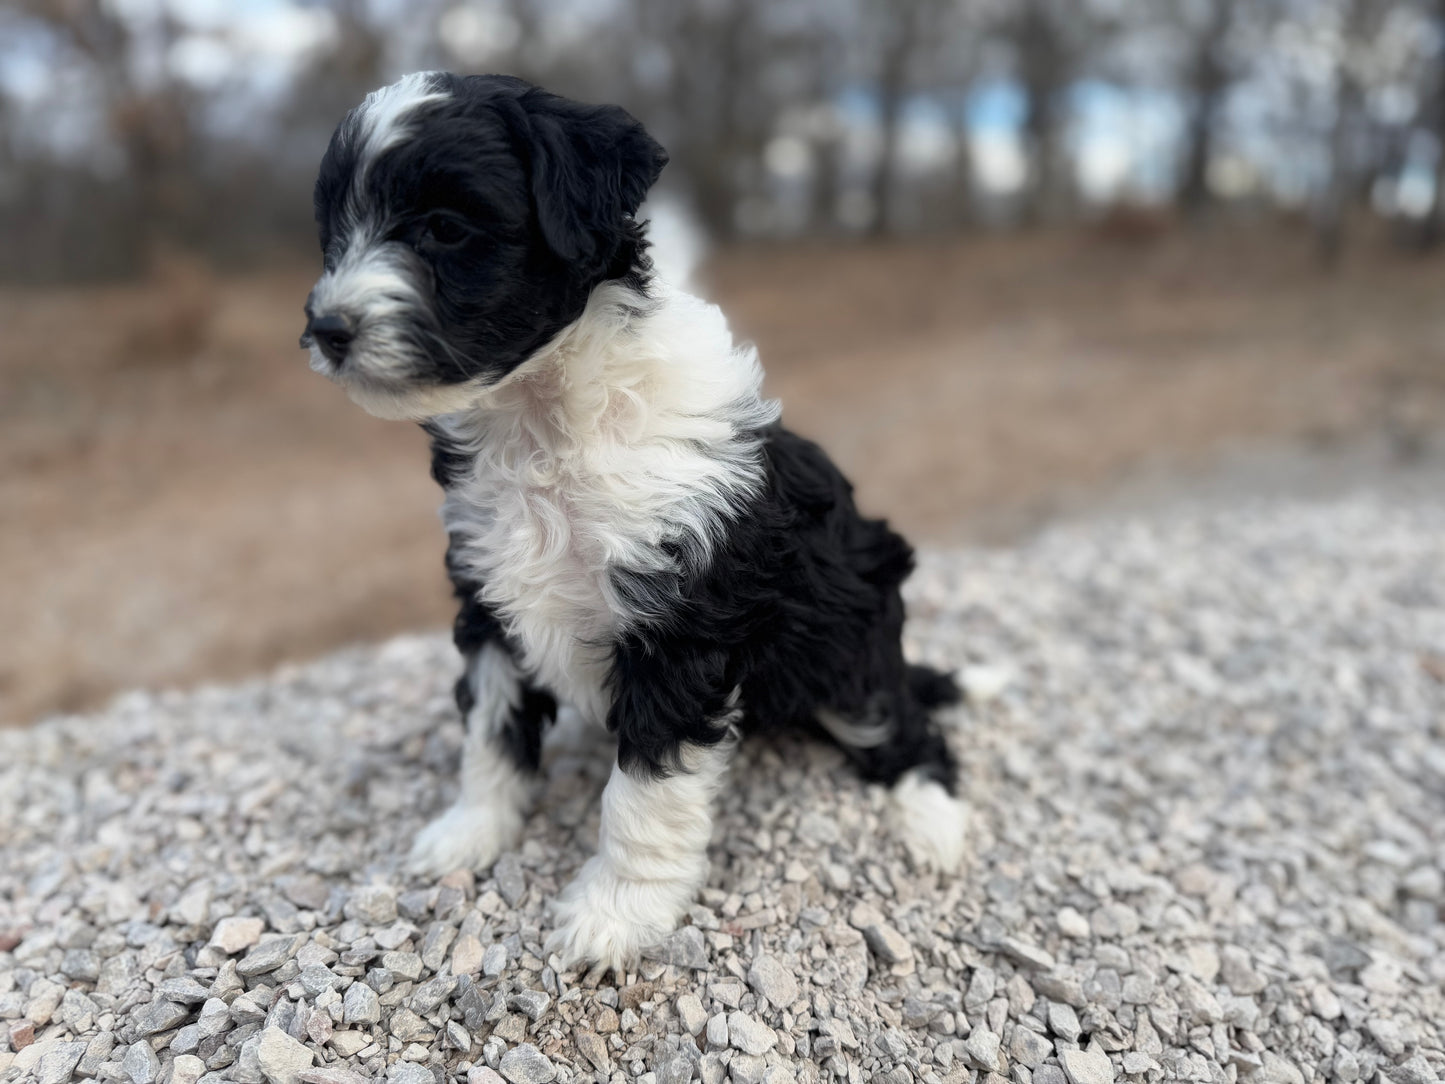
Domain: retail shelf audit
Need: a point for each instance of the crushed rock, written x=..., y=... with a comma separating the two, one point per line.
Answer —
x=1206, y=762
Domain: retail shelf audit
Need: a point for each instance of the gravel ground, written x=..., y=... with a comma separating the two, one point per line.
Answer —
x=1206, y=756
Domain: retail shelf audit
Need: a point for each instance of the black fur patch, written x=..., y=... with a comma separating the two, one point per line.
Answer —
x=800, y=608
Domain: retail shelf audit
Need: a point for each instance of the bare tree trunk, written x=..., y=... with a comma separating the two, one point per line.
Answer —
x=1044, y=73
x=900, y=32
x=716, y=96
x=827, y=173
x=1362, y=21
x=1209, y=79
x=961, y=208
x=1432, y=226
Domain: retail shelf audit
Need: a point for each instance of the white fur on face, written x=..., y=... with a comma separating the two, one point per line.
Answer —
x=488, y=815
x=635, y=427
x=651, y=860
x=932, y=823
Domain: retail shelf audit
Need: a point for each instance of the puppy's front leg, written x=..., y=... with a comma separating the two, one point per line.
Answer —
x=651, y=860
x=504, y=717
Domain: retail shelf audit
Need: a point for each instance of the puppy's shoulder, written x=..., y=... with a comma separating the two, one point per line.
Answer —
x=802, y=474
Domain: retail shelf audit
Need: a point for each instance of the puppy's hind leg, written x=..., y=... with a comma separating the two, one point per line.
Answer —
x=505, y=718
x=896, y=741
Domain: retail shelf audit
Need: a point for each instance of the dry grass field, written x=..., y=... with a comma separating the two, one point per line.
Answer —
x=184, y=500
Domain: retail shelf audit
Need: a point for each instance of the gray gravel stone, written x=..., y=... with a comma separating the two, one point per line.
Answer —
x=466, y=955
x=409, y=1027
x=494, y=960
x=1064, y=1022
x=234, y=933
x=140, y=1064
x=405, y=1072
x=591, y=1046
x=373, y=904
x=1137, y=1064
x=887, y=943
x=1414, y=1070
x=187, y=1069
x=185, y=990
x=525, y=1064
x=361, y=1005
x=531, y=1002
x=1073, y=924
x=1029, y=1047
x=982, y=1048
x=511, y=882
x=750, y=1035
x=1086, y=1066
x=406, y=965
x=1388, y=1034
x=675, y=1069
x=691, y=1013
x=772, y=980
x=160, y=1015
x=683, y=947
x=747, y=1069
x=433, y=992
x=97, y=1052
x=57, y=1065
x=281, y=1058
x=1025, y=954
x=717, y=1031
x=267, y=956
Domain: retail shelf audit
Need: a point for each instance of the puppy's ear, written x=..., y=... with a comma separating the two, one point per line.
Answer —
x=591, y=167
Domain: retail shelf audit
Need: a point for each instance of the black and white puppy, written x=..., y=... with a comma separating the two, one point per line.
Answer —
x=632, y=533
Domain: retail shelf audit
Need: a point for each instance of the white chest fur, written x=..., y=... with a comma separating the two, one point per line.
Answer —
x=634, y=427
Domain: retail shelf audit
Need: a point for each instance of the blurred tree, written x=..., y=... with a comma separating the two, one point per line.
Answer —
x=148, y=115
x=1431, y=230
x=1368, y=56
x=1345, y=54
x=1208, y=77
x=782, y=117
x=1046, y=69
x=896, y=27
x=353, y=64
x=1054, y=44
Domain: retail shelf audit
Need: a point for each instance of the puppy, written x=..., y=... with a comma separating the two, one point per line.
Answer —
x=632, y=533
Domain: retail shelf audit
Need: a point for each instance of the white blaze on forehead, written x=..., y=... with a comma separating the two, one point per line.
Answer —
x=382, y=116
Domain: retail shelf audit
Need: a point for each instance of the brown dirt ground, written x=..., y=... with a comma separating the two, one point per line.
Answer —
x=184, y=500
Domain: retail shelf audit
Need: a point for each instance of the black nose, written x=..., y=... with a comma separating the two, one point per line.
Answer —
x=333, y=334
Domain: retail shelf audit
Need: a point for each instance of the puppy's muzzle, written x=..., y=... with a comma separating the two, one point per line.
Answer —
x=332, y=333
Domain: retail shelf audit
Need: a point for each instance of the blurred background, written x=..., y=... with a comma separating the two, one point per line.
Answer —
x=1010, y=260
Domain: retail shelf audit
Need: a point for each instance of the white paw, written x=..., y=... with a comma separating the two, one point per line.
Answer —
x=605, y=920
x=932, y=823
x=465, y=837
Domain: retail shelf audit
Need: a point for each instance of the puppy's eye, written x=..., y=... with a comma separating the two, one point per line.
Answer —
x=445, y=229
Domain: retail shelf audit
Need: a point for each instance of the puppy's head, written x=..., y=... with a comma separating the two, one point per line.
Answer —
x=463, y=223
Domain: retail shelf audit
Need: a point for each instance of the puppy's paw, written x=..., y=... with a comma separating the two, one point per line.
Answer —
x=606, y=920
x=464, y=837
x=932, y=823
